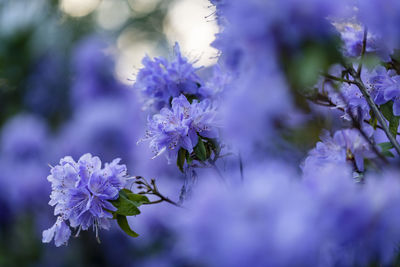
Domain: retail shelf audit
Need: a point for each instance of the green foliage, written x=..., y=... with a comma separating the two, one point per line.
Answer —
x=127, y=204
x=373, y=121
x=387, y=111
x=200, y=150
x=304, y=67
x=180, y=161
x=135, y=198
x=385, y=149
x=124, y=225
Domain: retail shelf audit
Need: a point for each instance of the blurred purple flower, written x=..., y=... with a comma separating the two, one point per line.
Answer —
x=353, y=41
x=24, y=146
x=386, y=87
x=346, y=146
x=340, y=224
x=94, y=73
x=47, y=85
x=217, y=84
x=109, y=128
x=381, y=17
x=254, y=26
x=161, y=80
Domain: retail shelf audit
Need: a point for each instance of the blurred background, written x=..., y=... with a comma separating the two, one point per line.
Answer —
x=66, y=74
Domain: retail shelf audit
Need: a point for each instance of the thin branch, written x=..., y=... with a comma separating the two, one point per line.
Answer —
x=334, y=78
x=357, y=81
x=216, y=169
x=153, y=190
x=357, y=125
x=241, y=167
x=329, y=103
x=363, y=49
x=375, y=110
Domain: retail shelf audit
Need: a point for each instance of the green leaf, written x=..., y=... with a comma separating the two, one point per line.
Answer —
x=190, y=98
x=370, y=60
x=136, y=198
x=189, y=160
x=385, y=149
x=124, y=225
x=180, y=161
x=303, y=67
x=386, y=146
x=200, y=150
x=124, y=205
x=373, y=120
x=387, y=111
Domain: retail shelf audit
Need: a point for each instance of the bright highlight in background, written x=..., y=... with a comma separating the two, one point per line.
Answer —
x=191, y=24
x=78, y=8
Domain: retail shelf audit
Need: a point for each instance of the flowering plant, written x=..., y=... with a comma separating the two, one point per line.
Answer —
x=281, y=64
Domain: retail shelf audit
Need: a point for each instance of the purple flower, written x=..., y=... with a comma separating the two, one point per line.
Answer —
x=160, y=80
x=386, y=87
x=217, y=84
x=94, y=73
x=60, y=231
x=180, y=126
x=353, y=40
x=81, y=192
x=353, y=102
x=24, y=138
x=346, y=145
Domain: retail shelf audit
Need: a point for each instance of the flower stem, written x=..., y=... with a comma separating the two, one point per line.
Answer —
x=375, y=109
x=357, y=81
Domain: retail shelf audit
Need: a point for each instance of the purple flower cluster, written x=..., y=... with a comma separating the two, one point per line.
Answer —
x=161, y=80
x=81, y=192
x=353, y=35
x=351, y=101
x=386, y=87
x=181, y=126
x=345, y=146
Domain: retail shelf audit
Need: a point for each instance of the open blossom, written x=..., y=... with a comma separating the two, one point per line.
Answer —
x=160, y=80
x=180, y=126
x=353, y=35
x=352, y=101
x=345, y=145
x=386, y=87
x=81, y=192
